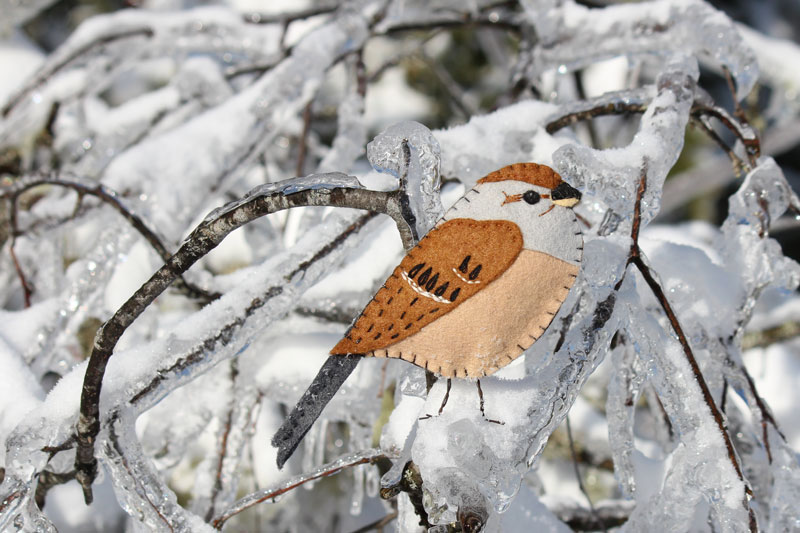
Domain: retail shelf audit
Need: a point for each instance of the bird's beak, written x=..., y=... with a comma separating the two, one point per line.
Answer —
x=511, y=198
x=565, y=195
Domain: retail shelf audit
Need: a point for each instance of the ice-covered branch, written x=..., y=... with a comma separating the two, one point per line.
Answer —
x=108, y=197
x=337, y=190
x=272, y=493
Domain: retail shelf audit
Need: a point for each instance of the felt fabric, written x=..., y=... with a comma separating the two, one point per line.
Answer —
x=454, y=261
x=496, y=325
x=531, y=173
x=483, y=285
x=545, y=227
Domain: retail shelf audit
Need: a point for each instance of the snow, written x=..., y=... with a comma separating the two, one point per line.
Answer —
x=19, y=58
x=187, y=111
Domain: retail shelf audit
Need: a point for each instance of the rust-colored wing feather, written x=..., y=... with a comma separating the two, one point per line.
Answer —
x=450, y=264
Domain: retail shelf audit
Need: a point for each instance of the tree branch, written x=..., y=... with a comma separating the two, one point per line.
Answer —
x=109, y=197
x=341, y=191
x=635, y=258
x=329, y=469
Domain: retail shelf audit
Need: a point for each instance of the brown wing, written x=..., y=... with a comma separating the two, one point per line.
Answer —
x=454, y=261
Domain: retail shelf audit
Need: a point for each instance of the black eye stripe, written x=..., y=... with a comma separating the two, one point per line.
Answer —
x=531, y=197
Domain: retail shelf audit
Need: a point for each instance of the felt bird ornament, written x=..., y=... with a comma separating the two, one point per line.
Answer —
x=477, y=291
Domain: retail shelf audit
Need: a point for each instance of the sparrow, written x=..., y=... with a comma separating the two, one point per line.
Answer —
x=476, y=291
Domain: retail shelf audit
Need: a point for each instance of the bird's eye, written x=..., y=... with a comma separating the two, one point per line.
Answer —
x=531, y=197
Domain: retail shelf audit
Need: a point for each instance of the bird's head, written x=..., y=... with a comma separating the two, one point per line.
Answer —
x=531, y=183
x=528, y=194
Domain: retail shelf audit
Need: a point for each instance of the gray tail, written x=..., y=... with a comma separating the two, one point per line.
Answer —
x=330, y=377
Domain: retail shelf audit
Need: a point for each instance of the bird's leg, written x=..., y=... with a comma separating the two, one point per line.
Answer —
x=483, y=414
x=444, y=401
x=446, y=395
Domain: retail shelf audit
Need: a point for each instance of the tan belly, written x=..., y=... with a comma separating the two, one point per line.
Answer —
x=494, y=326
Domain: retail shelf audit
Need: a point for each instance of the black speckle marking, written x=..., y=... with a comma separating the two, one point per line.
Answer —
x=413, y=301
x=376, y=337
x=391, y=327
x=432, y=282
x=464, y=264
x=414, y=271
x=476, y=192
x=415, y=359
x=403, y=315
x=578, y=233
x=549, y=313
x=420, y=317
x=475, y=272
x=467, y=199
x=532, y=337
x=359, y=340
x=409, y=325
x=442, y=288
x=426, y=365
x=399, y=290
x=454, y=294
x=423, y=278
x=389, y=301
x=520, y=347
x=573, y=275
x=380, y=313
x=434, y=310
x=370, y=328
x=509, y=357
x=395, y=335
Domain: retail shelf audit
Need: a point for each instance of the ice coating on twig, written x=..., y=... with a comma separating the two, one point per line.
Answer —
x=319, y=182
x=611, y=175
x=575, y=36
x=411, y=153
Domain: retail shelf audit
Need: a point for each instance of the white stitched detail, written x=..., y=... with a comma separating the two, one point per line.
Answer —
x=423, y=292
x=465, y=280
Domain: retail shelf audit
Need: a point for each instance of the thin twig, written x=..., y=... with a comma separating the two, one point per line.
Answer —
x=609, y=514
x=51, y=70
x=27, y=291
x=576, y=467
x=303, y=142
x=377, y=525
x=632, y=102
x=738, y=111
x=635, y=258
x=109, y=197
x=46, y=481
x=223, y=445
x=332, y=468
x=115, y=440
